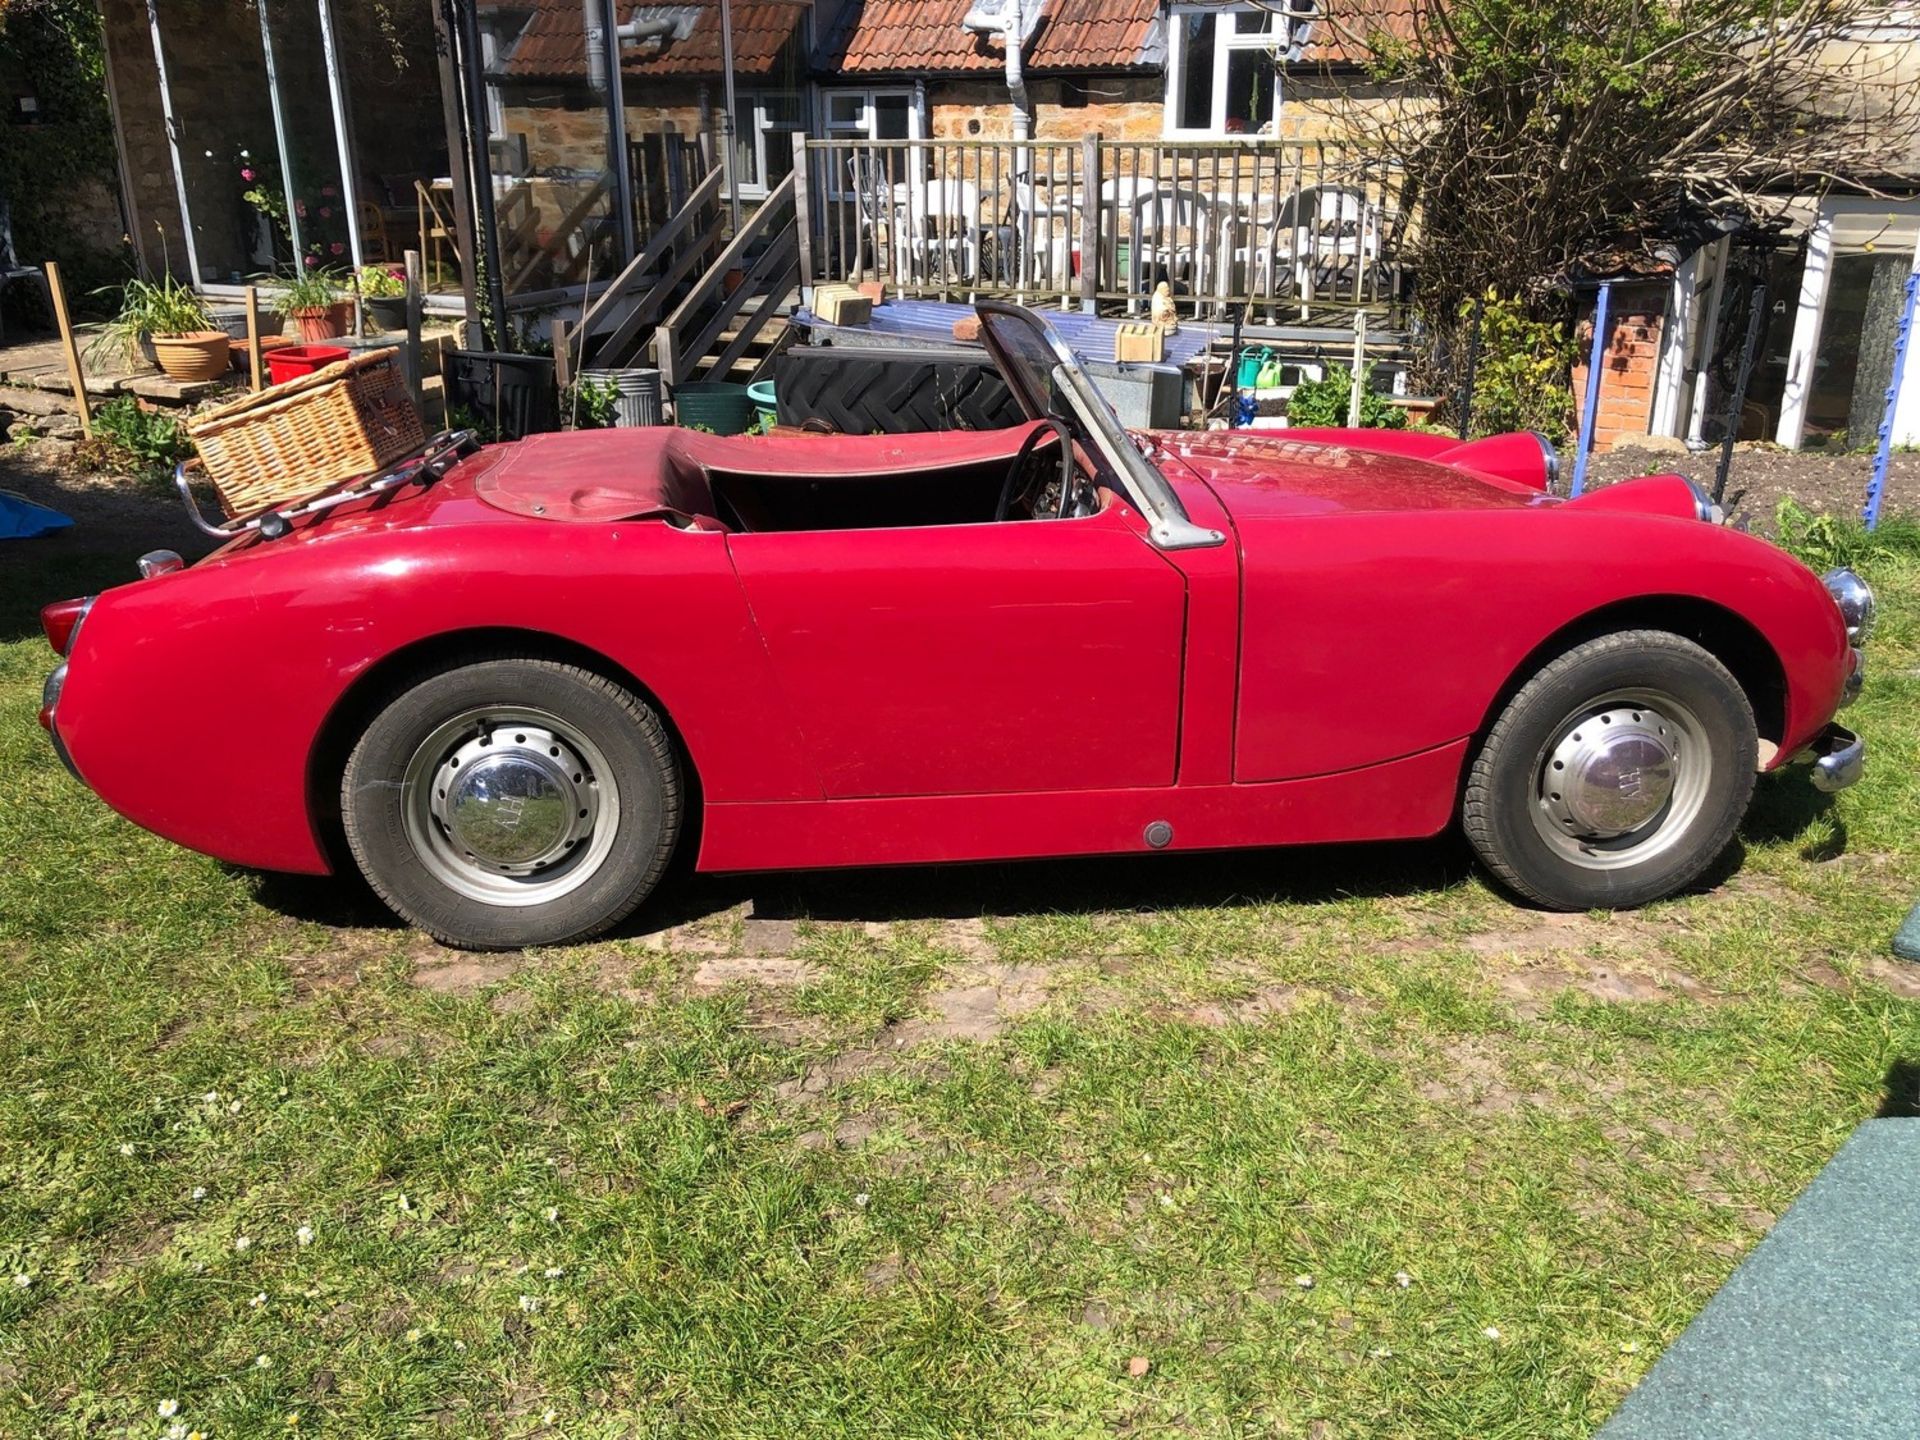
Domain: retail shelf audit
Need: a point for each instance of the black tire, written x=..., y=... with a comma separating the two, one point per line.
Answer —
x=1517, y=834
x=632, y=747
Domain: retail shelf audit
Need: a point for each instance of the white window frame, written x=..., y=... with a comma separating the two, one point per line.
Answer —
x=864, y=126
x=1225, y=39
x=1902, y=228
x=753, y=113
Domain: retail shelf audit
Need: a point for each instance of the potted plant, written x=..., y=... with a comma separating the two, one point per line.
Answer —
x=168, y=324
x=383, y=290
x=314, y=300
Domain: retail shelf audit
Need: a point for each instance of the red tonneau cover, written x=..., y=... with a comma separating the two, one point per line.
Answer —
x=601, y=475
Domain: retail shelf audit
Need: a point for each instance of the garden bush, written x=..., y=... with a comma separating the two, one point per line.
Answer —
x=1324, y=402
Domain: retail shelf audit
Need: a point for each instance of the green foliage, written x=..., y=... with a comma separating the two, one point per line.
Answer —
x=1826, y=541
x=148, y=442
x=1324, y=403
x=59, y=45
x=149, y=308
x=381, y=282
x=315, y=288
x=1522, y=379
x=591, y=403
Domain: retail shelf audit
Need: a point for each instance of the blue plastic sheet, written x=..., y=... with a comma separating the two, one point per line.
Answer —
x=22, y=519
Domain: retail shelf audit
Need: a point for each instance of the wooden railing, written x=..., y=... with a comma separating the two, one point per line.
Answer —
x=622, y=317
x=765, y=255
x=1294, y=228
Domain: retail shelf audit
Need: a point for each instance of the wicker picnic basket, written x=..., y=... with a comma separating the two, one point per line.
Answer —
x=294, y=440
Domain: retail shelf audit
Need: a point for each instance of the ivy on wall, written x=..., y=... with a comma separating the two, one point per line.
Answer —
x=54, y=50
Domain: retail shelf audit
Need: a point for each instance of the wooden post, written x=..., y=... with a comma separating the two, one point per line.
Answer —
x=562, y=336
x=1359, y=368
x=253, y=338
x=75, y=375
x=410, y=351
x=1090, y=212
x=803, y=214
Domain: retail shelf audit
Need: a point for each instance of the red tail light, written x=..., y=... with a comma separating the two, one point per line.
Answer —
x=61, y=620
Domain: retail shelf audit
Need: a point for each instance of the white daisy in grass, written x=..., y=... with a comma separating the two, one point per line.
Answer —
x=303, y=1237
x=22, y=1281
x=1305, y=1282
x=553, y=1214
x=176, y=1431
x=863, y=1199
x=126, y=1149
x=212, y=1097
x=406, y=1205
x=258, y=1300
x=1402, y=1279
x=233, y=1108
x=1492, y=1332
x=550, y=1418
x=262, y=1362
x=554, y=1272
x=529, y=1303
x=199, y=1192
x=167, y=1409
x=243, y=1243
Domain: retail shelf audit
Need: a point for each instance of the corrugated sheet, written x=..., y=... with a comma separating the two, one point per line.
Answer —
x=552, y=43
x=897, y=37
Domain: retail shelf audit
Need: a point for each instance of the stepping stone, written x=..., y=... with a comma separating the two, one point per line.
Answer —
x=1906, y=941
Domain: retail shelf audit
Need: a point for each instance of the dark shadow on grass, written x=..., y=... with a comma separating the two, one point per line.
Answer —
x=1785, y=806
x=1308, y=875
x=1902, y=1098
x=344, y=901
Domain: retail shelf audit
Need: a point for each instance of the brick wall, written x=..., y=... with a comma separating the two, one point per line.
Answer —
x=1636, y=313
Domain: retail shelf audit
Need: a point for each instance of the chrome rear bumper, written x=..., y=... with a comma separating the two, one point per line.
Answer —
x=1839, y=758
x=49, y=705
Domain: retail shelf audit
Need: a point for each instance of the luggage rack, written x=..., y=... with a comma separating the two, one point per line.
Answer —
x=439, y=455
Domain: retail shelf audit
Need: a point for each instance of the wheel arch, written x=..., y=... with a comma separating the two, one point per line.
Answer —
x=363, y=698
x=1725, y=634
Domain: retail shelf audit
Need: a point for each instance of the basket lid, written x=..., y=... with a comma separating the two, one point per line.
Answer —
x=273, y=394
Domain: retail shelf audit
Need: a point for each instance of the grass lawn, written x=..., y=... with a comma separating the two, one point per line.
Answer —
x=1317, y=1144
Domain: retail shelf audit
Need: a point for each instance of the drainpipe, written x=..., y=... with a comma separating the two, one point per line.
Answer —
x=603, y=74
x=1010, y=25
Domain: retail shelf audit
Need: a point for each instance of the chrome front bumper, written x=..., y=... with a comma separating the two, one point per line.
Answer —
x=1839, y=758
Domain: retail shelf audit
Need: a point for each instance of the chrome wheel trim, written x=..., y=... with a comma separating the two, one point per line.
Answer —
x=1621, y=779
x=509, y=805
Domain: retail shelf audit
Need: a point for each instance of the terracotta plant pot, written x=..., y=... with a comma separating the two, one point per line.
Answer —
x=196, y=355
x=328, y=323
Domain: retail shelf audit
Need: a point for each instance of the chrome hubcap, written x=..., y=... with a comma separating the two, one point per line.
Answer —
x=508, y=798
x=1622, y=779
x=1613, y=774
x=509, y=806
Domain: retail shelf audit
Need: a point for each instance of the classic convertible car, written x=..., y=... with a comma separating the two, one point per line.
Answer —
x=508, y=682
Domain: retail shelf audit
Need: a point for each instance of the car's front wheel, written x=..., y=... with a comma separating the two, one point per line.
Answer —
x=512, y=801
x=1615, y=776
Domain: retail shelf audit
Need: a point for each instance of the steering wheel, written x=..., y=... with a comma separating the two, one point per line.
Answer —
x=1022, y=486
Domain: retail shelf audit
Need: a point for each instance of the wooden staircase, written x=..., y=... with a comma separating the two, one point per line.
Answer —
x=675, y=301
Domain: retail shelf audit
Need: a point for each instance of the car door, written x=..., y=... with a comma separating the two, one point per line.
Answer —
x=1020, y=656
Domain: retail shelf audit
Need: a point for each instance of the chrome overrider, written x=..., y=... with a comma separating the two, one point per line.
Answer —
x=1839, y=756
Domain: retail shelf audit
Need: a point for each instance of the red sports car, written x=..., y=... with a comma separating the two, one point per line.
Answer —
x=508, y=683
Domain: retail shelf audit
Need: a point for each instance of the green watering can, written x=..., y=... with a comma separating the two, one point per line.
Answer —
x=1253, y=361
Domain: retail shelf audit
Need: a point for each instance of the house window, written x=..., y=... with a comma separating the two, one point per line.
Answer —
x=875, y=115
x=1222, y=75
x=763, y=144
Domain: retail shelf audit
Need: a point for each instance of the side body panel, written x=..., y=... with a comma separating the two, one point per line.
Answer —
x=194, y=701
x=971, y=659
x=1372, y=636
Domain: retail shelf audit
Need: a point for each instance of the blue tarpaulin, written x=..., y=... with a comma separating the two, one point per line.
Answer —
x=22, y=519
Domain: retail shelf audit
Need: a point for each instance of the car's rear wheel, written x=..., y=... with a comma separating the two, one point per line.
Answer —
x=1615, y=776
x=512, y=801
